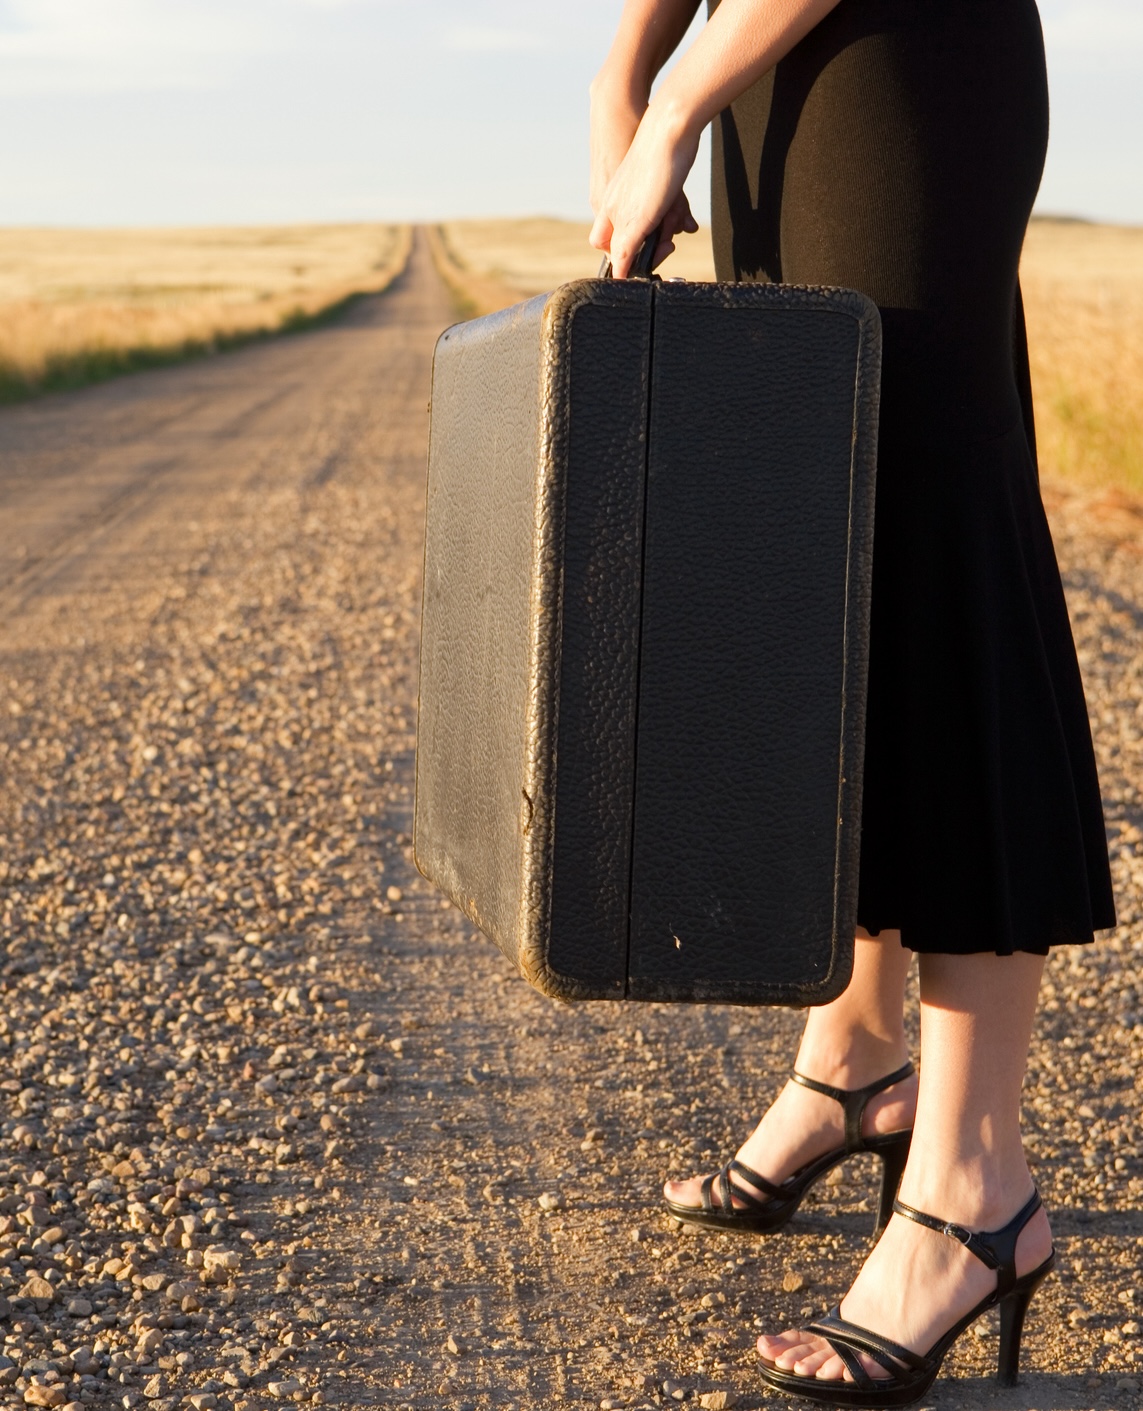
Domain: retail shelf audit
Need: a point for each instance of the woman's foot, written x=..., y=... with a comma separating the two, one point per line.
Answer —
x=801, y=1125
x=915, y=1285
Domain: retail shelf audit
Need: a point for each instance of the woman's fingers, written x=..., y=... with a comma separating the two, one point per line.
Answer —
x=623, y=252
x=601, y=231
x=678, y=220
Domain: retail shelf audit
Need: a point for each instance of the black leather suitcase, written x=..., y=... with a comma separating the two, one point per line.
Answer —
x=644, y=641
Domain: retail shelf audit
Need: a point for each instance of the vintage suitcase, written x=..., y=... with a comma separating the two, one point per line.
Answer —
x=644, y=641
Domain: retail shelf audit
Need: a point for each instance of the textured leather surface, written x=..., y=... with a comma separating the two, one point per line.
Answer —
x=744, y=649
x=476, y=656
x=639, y=762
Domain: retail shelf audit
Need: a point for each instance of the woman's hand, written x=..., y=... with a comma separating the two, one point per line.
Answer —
x=646, y=188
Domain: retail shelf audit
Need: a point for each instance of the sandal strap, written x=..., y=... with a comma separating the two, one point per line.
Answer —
x=768, y=1188
x=853, y=1364
x=727, y=1190
x=994, y=1248
x=855, y=1100
x=888, y=1354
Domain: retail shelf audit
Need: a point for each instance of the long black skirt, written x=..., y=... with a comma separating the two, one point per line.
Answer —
x=898, y=150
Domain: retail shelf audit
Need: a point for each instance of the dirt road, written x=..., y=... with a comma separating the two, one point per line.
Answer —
x=276, y=1125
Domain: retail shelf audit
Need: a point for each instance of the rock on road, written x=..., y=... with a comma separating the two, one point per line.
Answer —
x=276, y=1125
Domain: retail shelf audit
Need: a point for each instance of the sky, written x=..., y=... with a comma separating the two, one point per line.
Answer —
x=179, y=112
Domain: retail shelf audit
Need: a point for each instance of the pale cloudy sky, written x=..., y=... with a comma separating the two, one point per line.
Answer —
x=188, y=111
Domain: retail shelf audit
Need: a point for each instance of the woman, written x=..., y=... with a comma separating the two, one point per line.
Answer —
x=895, y=147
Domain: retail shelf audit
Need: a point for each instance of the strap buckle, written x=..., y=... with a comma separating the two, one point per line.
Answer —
x=958, y=1233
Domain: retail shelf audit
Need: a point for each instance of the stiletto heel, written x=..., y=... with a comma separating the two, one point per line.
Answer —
x=909, y=1375
x=894, y=1154
x=775, y=1204
x=1012, y=1311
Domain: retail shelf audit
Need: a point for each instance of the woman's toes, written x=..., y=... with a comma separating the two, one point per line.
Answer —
x=773, y=1345
x=803, y=1350
x=683, y=1192
x=815, y=1360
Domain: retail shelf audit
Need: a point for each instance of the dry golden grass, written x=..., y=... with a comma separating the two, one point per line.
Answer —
x=1083, y=294
x=78, y=305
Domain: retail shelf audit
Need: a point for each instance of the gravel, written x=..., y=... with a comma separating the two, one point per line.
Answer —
x=277, y=1126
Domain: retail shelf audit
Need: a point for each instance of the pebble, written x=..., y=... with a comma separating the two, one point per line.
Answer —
x=718, y=1400
x=39, y=1289
x=150, y=1342
x=551, y=1201
x=37, y=1395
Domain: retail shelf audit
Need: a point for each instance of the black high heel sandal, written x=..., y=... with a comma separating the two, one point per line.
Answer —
x=782, y=1200
x=911, y=1374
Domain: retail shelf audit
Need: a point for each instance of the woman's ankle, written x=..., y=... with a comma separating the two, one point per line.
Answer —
x=980, y=1191
x=850, y=1057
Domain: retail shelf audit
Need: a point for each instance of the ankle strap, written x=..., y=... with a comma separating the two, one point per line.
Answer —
x=994, y=1248
x=855, y=1100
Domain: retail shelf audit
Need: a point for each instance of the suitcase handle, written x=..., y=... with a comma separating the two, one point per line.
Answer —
x=641, y=269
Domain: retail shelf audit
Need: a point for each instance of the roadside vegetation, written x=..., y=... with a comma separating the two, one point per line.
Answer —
x=1083, y=296
x=78, y=306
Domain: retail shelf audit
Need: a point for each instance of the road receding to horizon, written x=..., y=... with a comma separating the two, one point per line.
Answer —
x=278, y=1127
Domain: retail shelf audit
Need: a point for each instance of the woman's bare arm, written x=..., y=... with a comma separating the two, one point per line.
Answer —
x=649, y=33
x=741, y=42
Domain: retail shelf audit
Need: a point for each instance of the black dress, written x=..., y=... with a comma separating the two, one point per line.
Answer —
x=898, y=150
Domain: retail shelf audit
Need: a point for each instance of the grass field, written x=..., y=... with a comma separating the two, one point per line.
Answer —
x=1083, y=294
x=80, y=305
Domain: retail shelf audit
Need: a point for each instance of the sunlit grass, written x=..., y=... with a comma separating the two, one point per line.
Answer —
x=79, y=306
x=1083, y=295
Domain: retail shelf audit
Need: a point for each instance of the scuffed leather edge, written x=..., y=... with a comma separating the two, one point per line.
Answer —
x=541, y=765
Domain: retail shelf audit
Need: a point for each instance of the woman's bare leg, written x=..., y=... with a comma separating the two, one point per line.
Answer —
x=966, y=1163
x=853, y=1041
